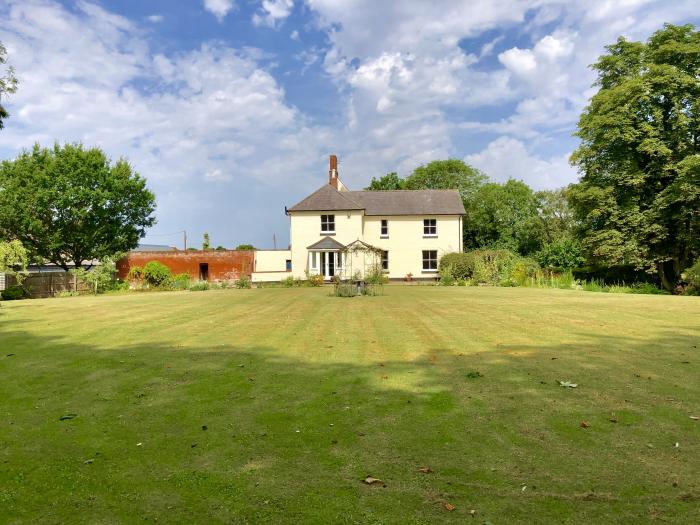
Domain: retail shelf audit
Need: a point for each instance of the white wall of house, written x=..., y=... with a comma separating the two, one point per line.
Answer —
x=271, y=265
x=405, y=241
x=306, y=230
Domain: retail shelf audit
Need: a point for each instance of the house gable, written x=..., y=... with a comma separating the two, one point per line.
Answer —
x=326, y=198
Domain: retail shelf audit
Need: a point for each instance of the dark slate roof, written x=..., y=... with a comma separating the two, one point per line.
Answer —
x=327, y=243
x=409, y=202
x=326, y=198
x=391, y=202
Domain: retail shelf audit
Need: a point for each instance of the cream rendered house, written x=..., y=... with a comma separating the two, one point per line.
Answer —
x=405, y=231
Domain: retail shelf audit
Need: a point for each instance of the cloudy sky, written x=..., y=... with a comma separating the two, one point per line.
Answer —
x=230, y=107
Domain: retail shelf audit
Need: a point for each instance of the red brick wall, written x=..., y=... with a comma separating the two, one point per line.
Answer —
x=223, y=265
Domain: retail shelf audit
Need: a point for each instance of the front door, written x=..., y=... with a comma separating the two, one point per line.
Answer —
x=327, y=260
x=330, y=270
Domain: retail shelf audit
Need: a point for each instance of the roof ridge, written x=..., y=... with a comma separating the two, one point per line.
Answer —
x=399, y=191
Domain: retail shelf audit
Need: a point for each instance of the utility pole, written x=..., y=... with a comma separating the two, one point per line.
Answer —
x=274, y=241
x=184, y=233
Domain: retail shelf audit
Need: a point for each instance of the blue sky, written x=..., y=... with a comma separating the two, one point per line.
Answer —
x=230, y=108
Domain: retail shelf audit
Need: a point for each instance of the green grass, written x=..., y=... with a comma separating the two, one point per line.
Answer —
x=302, y=395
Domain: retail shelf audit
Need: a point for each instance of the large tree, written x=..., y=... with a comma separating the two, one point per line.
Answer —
x=451, y=174
x=556, y=215
x=71, y=205
x=504, y=216
x=8, y=82
x=638, y=200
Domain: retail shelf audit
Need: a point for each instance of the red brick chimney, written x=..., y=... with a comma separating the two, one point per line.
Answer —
x=333, y=172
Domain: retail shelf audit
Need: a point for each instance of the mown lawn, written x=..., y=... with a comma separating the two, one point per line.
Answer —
x=271, y=406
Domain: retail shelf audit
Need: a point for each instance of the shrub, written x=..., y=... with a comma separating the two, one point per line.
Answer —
x=102, y=277
x=491, y=266
x=181, y=281
x=135, y=273
x=347, y=289
x=156, y=273
x=647, y=288
x=522, y=271
x=117, y=286
x=446, y=275
x=68, y=293
x=315, y=280
x=459, y=263
x=243, y=282
x=563, y=254
x=372, y=289
x=692, y=277
x=376, y=275
x=614, y=274
x=199, y=286
x=13, y=293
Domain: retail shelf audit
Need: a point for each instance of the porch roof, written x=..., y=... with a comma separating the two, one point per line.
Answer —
x=327, y=243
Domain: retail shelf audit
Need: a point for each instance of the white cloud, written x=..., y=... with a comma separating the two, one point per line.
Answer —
x=217, y=116
x=273, y=12
x=376, y=46
x=219, y=8
x=155, y=18
x=507, y=158
x=519, y=61
x=552, y=48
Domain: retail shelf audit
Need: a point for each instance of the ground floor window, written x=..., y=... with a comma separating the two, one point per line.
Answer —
x=385, y=260
x=430, y=262
x=288, y=265
x=326, y=263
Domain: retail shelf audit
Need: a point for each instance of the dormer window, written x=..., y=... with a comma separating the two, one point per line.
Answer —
x=384, y=229
x=430, y=227
x=327, y=224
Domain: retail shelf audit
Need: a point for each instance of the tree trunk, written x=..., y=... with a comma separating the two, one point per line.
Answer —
x=667, y=275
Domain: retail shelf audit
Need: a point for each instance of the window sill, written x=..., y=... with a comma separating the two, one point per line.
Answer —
x=429, y=271
x=383, y=236
x=327, y=233
x=429, y=235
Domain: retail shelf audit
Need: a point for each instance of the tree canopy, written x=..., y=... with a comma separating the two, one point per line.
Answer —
x=13, y=257
x=70, y=204
x=509, y=215
x=639, y=157
x=504, y=216
x=8, y=83
x=450, y=174
x=390, y=181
